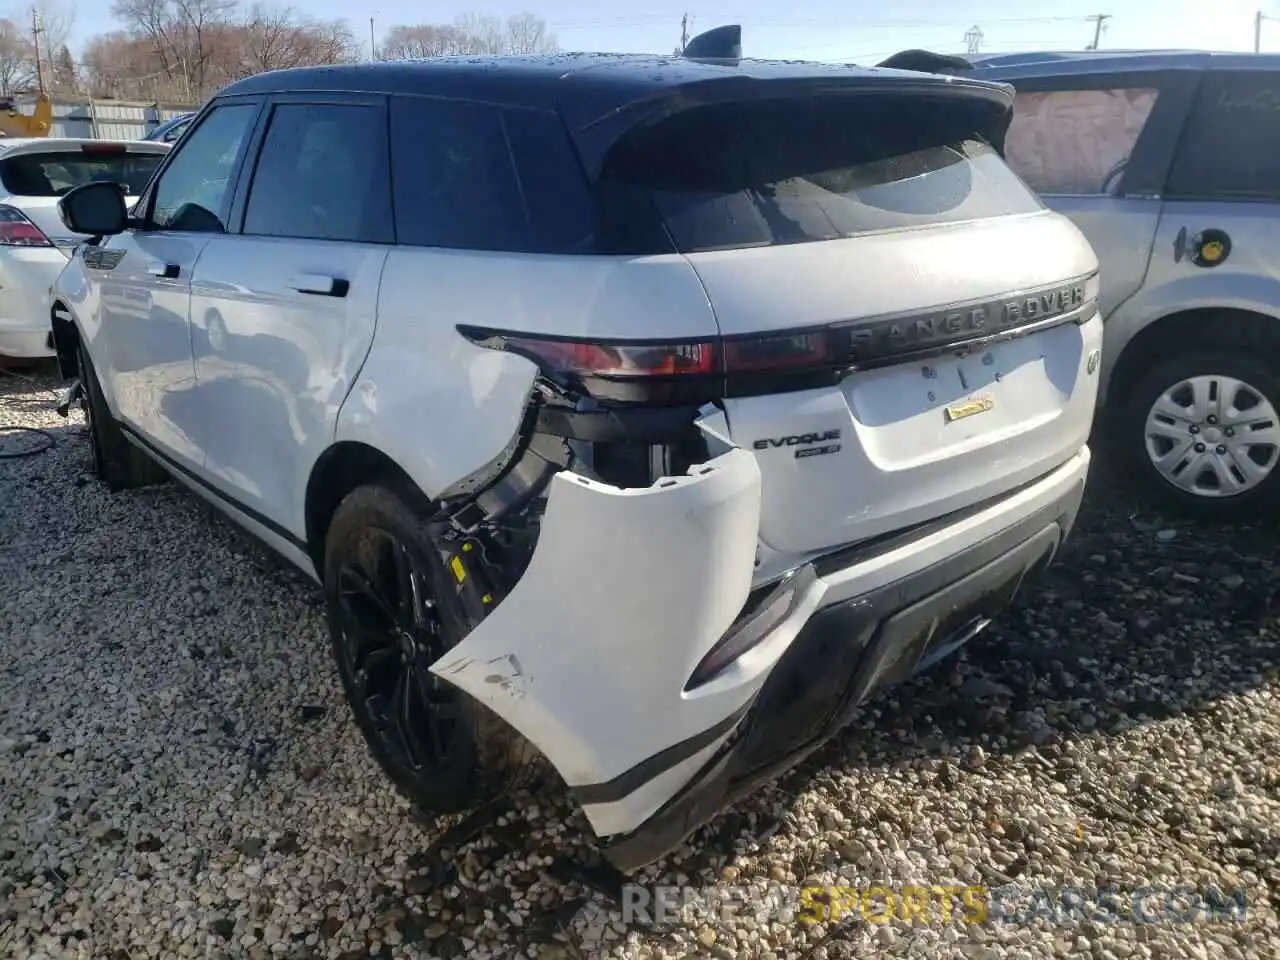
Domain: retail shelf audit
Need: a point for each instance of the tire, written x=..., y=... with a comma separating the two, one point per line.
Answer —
x=477, y=755
x=1235, y=376
x=116, y=462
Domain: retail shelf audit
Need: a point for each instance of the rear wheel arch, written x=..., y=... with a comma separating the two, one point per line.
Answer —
x=341, y=469
x=1189, y=331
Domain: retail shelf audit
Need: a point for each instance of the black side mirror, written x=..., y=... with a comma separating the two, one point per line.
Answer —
x=94, y=208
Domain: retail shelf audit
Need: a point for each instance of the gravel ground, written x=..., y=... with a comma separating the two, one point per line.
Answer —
x=178, y=775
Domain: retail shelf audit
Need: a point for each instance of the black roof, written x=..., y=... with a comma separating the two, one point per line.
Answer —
x=552, y=81
x=599, y=95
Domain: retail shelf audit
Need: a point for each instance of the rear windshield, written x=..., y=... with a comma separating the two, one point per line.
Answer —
x=762, y=174
x=53, y=174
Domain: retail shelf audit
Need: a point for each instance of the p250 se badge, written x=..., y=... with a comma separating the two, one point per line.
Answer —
x=809, y=444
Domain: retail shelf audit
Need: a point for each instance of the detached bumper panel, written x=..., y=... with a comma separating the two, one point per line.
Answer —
x=588, y=655
x=844, y=654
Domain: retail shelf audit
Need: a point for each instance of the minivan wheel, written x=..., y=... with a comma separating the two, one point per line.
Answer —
x=1201, y=433
x=116, y=462
x=391, y=616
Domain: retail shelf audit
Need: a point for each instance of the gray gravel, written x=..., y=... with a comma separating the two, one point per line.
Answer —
x=178, y=775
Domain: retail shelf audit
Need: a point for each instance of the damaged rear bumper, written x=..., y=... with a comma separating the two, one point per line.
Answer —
x=870, y=631
x=590, y=656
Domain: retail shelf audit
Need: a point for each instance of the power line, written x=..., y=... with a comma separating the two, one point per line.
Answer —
x=1098, y=20
x=1257, y=30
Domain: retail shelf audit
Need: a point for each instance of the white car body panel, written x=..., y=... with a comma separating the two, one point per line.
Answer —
x=591, y=669
x=145, y=365
x=273, y=364
x=396, y=407
x=577, y=622
x=899, y=462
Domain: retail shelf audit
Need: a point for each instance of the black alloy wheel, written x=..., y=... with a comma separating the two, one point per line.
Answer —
x=391, y=630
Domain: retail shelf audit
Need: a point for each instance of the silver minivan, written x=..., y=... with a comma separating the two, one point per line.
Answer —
x=1166, y=162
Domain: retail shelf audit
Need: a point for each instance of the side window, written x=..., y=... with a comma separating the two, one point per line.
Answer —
x=1077, y=141
x=322, y=175
x=174, y=132
x=192, y=192
x=1231, y=140
x=477, y=177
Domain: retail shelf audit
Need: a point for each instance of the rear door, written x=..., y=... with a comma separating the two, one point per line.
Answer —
x=880, y=230
x=1223, y=185
x=283, y=308
x=1097, y=148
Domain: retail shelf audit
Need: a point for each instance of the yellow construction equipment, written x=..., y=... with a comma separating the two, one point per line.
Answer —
x=15, y=123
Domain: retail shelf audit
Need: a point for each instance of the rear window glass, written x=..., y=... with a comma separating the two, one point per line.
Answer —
x=1232, y=137
x=761, y=174
x=53, y=174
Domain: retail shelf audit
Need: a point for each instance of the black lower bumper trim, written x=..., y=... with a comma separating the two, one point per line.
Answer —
x=844, y=654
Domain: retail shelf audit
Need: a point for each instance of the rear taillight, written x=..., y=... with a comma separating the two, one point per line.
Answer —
x=17, y=231
x=676, y=371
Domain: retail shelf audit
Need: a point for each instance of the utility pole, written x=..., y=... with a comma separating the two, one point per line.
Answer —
x=37, y=28
x=973, y=39
x=1257, y=32
x=373, y=44
x=684, y=32
x=1098, y=20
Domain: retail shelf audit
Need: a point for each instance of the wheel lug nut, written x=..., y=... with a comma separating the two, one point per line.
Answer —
x=1229, y=432
x=1212, y=420
x=1199, y=448
x=1221, y=449
x=1195, y=428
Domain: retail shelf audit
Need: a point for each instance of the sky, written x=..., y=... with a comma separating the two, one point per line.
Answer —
x=849, y=31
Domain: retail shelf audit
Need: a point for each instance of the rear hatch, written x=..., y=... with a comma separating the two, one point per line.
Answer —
x=36, y=175
x=937, y=310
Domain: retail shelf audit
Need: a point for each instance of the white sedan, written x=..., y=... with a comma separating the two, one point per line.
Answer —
x=34, y=243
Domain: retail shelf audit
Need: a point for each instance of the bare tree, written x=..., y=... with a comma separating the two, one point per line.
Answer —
x=183, y=34
x=527, y=33
x=57, y=18
x=274, y=38
x=64, y=77
x=422, y=40
x=183, y=50
x=17, y=59
x=471, y=33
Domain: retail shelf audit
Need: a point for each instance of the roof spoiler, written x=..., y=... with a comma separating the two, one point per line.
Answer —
x=924, y=61
x=718, y=43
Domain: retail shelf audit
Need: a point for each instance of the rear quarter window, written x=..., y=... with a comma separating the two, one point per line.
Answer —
x=474, y=176
x=53, y=174
x=1231, y=140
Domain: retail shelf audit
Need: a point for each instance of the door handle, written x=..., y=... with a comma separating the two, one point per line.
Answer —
x=320, y=285
x=169, y=271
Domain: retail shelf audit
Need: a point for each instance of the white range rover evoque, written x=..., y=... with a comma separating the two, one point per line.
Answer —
x=652, y=411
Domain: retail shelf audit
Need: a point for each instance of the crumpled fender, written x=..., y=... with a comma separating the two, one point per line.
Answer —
x=627, y=590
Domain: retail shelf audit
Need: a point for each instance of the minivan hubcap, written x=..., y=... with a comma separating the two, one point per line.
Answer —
x=1213, y=436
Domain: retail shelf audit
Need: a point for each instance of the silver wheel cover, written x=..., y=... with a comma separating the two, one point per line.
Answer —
x=1213, y=436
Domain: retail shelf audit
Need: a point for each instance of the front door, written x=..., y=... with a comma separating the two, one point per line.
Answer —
x=145, y=286
x=283, y=311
